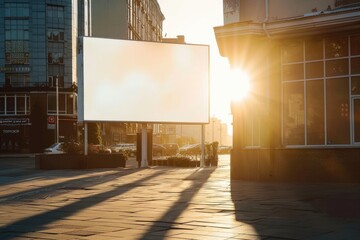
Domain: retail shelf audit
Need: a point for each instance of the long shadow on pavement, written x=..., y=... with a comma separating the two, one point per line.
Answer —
x=84, y=182
x=168, y=220
x=297, y=211
x=39, y=221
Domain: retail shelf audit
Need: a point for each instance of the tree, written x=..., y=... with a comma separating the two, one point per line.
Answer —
x=94, y=134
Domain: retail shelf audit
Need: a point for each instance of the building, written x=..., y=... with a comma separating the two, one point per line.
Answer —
x=37, y=55
x=217, y=131
x=39, y=49
x=301, y=121
x=140, y=20
x=127, y=19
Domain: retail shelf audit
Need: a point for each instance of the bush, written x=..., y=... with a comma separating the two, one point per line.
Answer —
x=72, y=147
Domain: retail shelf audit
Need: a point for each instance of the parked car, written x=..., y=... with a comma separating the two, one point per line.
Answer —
x=224, y=149
x=55, y=148
x=158, y=150
x=128, y=148
x=98, y=148
x=192, y=149
x=171, y=149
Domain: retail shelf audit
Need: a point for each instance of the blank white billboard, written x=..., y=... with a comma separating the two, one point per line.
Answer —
x=136, y=81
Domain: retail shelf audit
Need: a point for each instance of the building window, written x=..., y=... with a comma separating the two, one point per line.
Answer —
x=16, y=33
x=56, y=35
x=338, y=111
x=294, y=132
x=17, y=80
x=66, y=103
x=316, y=78
x=14, y=104
x=2, y=104
x=55, y=15
x=52, y=81
x=315, y=112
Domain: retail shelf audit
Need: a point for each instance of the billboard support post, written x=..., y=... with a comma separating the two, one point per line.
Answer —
x=202, y=160
x=85, y=139
x=144, y=140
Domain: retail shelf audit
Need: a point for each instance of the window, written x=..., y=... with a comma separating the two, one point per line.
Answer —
x=10, y=104
x=294, y=131
x=55, y=53
x=14, y=104
x=314, y=70
x=337, y=67
x=2, y=104
x=17, y=41
x=20, y=104
x=55, y=35
x=336, y=47
x=315, y=112
x=316, y=93
x=52, y=81
x=66, y=103
x=293, y=52
x=293, y=72
x=314, y=49
x=355, y=85
x=19, y=10
x=355, y=65
x=355, y=46
x=337, y=108
x=17, y=80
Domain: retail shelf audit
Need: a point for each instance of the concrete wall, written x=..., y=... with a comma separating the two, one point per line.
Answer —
x=296, y=165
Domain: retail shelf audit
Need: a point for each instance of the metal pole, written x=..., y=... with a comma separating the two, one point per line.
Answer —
x=85, y=138
x=202, y=160
x=220, y=133
x=144, y=158
x=57, y=109
x=213, y=123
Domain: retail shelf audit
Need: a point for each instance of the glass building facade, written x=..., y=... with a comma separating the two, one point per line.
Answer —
x=37, y=51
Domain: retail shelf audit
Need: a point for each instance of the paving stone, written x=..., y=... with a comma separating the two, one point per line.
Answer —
x=171, y=203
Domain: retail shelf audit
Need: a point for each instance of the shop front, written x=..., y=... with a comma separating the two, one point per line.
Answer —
x=15, y=135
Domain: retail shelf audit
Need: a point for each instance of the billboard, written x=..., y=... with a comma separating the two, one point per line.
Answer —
x=144, y=82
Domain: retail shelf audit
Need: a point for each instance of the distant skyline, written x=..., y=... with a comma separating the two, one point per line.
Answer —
x=196, y=20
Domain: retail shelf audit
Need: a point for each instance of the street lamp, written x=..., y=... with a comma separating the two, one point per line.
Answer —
x=57, y=108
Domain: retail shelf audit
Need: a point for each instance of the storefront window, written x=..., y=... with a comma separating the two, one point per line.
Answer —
x=315, y=70
x=355, y=85
x=20, y=104
x=338, y=67
x=355, y=65
x=2, y=104
x=293, y=52
x=338, y=111
x=315, y=112
x=66, y=103
x=314, y=50
x=70, y=104
x=293, y=72
x=355, y=46
x=10, y=104
x=336, y=47
x=294, y=130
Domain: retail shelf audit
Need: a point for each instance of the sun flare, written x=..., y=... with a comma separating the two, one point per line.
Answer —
x=239, y=84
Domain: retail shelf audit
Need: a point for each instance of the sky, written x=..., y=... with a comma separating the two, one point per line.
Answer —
x=195, y=19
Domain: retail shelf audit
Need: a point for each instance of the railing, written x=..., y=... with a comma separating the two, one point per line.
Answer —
x=42, y=86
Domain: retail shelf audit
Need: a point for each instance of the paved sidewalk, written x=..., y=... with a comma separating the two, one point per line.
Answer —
x=169, y=203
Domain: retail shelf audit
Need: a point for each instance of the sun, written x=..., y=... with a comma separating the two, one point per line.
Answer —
x=239, y=84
